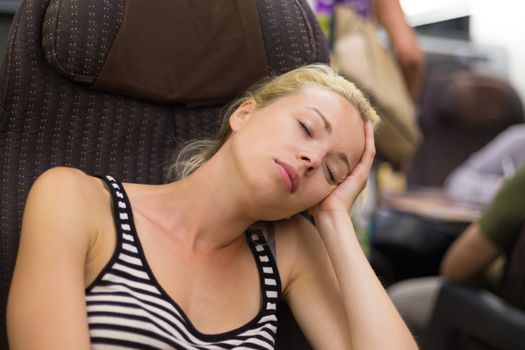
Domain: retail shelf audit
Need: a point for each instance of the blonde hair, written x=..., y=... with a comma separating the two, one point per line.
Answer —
x=322, y=76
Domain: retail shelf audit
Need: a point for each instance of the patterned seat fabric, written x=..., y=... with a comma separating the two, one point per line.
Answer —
x=158, y=51
x=49, y=117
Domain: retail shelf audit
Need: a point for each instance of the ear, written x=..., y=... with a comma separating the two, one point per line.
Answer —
x=242, y=114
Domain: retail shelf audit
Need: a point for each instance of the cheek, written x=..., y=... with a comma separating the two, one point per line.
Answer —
x=320, y=189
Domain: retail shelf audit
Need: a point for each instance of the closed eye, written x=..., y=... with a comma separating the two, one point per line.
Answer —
x=331, y=175
x=305, y=128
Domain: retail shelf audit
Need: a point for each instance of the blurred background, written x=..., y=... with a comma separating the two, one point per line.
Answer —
x=485, y=35
x=472, y=88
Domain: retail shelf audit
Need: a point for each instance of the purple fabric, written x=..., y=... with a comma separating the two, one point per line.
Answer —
x=362, y=7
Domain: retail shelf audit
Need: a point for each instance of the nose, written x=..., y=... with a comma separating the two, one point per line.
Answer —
x=311, y=159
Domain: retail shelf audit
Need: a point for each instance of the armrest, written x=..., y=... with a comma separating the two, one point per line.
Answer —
x=476, y=314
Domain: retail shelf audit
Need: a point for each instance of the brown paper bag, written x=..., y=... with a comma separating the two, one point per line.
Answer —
x=359, y=56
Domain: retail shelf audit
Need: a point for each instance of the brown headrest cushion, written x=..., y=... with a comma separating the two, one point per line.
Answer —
x=479, y=102
x=190, y=52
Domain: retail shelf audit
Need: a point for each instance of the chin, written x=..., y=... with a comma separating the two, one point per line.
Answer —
x=275, y=211
x=274, y=201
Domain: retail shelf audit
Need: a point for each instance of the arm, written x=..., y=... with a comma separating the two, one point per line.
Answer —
x=496, y=232
x=355, y=311
x=390, y=16
x=312, y=291
x=469, y=257
x=46, y=307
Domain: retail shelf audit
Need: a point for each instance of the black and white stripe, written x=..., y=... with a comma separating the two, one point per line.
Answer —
x=128, y=309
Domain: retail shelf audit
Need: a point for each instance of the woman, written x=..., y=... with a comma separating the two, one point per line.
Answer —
x=103, y=264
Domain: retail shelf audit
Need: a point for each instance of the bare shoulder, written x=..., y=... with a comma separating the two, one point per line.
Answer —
x=58, y=178
x=68, y=183
x=59, y=228
x=65, y=193
x=298, y=232
x=298, y=246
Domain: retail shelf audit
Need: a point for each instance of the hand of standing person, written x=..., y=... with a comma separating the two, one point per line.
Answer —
x=390, y=15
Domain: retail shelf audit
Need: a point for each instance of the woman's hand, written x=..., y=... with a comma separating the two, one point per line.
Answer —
x=351, y=284
x=343, y=196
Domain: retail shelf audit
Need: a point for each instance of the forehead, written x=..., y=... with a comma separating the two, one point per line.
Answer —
x=331, y=103
x=347, y=126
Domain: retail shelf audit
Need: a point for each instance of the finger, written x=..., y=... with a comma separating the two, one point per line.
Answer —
x=370, y=146
x=357, y=179
x=367, y=158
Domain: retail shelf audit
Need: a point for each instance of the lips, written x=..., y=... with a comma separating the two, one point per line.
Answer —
x=289, y=174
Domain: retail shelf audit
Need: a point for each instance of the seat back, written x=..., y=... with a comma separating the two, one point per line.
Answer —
x=472, y=319
x=461, y=111
x=67, y=99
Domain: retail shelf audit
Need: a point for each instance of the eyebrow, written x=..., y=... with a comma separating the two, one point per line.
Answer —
x=327, y=125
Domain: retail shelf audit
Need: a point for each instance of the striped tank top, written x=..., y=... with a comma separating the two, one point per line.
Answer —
x=128, y=309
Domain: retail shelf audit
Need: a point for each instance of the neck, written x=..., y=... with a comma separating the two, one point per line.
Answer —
x=210, y=206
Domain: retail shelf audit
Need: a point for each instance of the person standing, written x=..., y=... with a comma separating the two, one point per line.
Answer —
x=390, y=16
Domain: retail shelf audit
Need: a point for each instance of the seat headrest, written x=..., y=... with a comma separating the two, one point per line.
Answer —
x=479, y=102
x=189, y=52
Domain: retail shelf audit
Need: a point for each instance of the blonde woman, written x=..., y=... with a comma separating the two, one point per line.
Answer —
x=201, y=262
